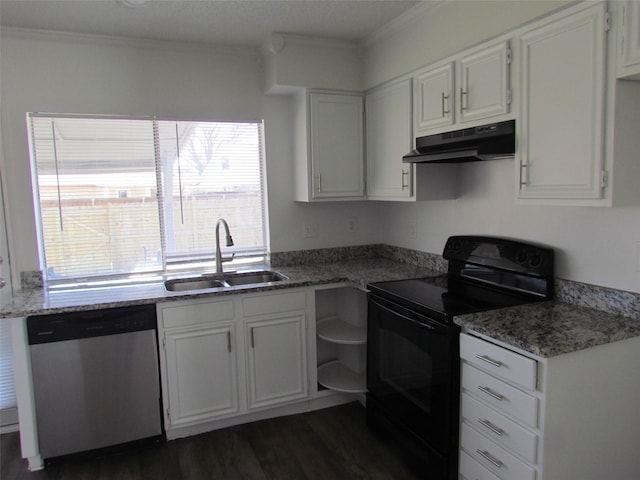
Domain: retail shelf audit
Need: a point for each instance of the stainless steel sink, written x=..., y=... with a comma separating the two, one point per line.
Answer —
x=264, y=276
x=187, y=284
x=226, y=280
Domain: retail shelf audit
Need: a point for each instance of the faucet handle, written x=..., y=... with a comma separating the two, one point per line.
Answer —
x=227, y=259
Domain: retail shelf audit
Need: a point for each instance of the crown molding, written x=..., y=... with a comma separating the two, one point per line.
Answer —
x=114, y=41
x=401, y=22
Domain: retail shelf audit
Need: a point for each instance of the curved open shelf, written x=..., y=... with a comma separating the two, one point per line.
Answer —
x=335, y=376
x=334, y=330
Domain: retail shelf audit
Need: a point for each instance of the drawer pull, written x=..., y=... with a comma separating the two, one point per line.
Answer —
x=490, y=458
x=489, y=360
x=491, y=393
x=487, y=424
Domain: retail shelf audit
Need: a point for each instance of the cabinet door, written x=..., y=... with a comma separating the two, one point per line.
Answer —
x=561, y=130
x=483, y=84
x=201, y=374
x=629, y=39
x=389, y=137
x=276, y=360
x=337, y=150
x=433, y=94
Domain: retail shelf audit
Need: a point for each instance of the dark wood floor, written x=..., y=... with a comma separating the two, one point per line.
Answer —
x=330, y=444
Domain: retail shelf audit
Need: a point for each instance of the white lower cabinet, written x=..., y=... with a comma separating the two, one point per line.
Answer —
x=223, y=358
x=202, y=366
x=499, y=412
x=570, y=416
x=276, y=360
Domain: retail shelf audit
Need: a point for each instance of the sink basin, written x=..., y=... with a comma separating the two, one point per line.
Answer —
x=225, y=280
x=187, y=284
x=265, y=276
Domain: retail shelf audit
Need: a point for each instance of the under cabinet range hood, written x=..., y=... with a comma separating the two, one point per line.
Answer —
x=485, y=142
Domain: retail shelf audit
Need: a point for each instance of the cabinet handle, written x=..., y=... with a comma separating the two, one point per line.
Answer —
x=523, y=174
x=489, y=360
x=229, y=342
x=490, y=458
x=253, y=341
x=491, y=393
x=463, y=95
x=404, y=185
x=487, y=424
x=319, y=182
x=444, y=111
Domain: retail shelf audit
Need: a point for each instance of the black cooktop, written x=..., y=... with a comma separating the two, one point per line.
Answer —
x=442, y=296
x=483, y=273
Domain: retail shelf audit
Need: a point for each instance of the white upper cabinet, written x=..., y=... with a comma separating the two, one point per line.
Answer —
x=330, y=149
x=483, y=80
x=468, y=87
x=434, y=97
x=389, y=137
x=561, y=127
x=629, y=39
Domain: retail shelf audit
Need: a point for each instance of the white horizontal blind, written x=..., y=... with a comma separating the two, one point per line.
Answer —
x=117, y=196
x=210, y=171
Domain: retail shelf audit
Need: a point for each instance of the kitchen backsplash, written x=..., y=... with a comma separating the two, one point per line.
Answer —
x=610, y=300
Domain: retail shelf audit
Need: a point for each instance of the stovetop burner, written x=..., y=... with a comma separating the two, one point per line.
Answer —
x=484, y=273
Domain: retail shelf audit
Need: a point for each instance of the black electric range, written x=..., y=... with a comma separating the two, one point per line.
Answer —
x=413, y=367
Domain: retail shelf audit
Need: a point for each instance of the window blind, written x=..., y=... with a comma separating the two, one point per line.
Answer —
x=120, y=196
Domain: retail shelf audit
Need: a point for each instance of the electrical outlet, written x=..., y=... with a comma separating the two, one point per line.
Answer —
x=309, y=230
x=352, y=225
x=413, y=230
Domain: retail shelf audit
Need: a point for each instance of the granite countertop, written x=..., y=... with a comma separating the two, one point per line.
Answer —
x=42, y=301
x=543, y=329
x=547, y=329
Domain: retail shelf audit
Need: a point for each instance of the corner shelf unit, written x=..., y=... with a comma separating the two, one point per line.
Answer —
x=341, y=339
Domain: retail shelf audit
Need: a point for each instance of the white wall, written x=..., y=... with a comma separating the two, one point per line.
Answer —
x=83, y=74
x=86, y=75
x=594, y=245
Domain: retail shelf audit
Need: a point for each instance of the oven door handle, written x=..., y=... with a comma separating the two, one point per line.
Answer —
x=423, y=322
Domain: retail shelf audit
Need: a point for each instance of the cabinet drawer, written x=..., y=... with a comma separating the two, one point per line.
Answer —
x=494, y=458
x=195, y=313
x=499, y=428
x=505, y=398
x=274, y=303
x=469, y=469
x=502, y=362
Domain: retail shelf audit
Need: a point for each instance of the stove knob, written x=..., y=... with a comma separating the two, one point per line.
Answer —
x=535, y=260
x=453, y=245
x=521, y=256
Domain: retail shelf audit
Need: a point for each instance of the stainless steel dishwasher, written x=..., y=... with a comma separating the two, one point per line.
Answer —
x=95, y=379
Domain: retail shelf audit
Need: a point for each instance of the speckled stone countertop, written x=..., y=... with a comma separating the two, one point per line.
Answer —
x=551, y=328
x=40, y=301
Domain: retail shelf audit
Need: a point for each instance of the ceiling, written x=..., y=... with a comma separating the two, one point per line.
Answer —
x=222, y=22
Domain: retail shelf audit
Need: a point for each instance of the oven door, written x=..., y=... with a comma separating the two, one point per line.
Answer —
x=412, y=370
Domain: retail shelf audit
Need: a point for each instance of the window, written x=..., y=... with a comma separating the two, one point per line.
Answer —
x=118, y=197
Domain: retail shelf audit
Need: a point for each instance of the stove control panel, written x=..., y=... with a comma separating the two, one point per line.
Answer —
x=505, y=254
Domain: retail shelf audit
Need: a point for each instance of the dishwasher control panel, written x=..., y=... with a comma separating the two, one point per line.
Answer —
x=92, y=323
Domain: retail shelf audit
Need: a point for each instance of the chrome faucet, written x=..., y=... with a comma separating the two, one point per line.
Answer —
x=219, y=259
